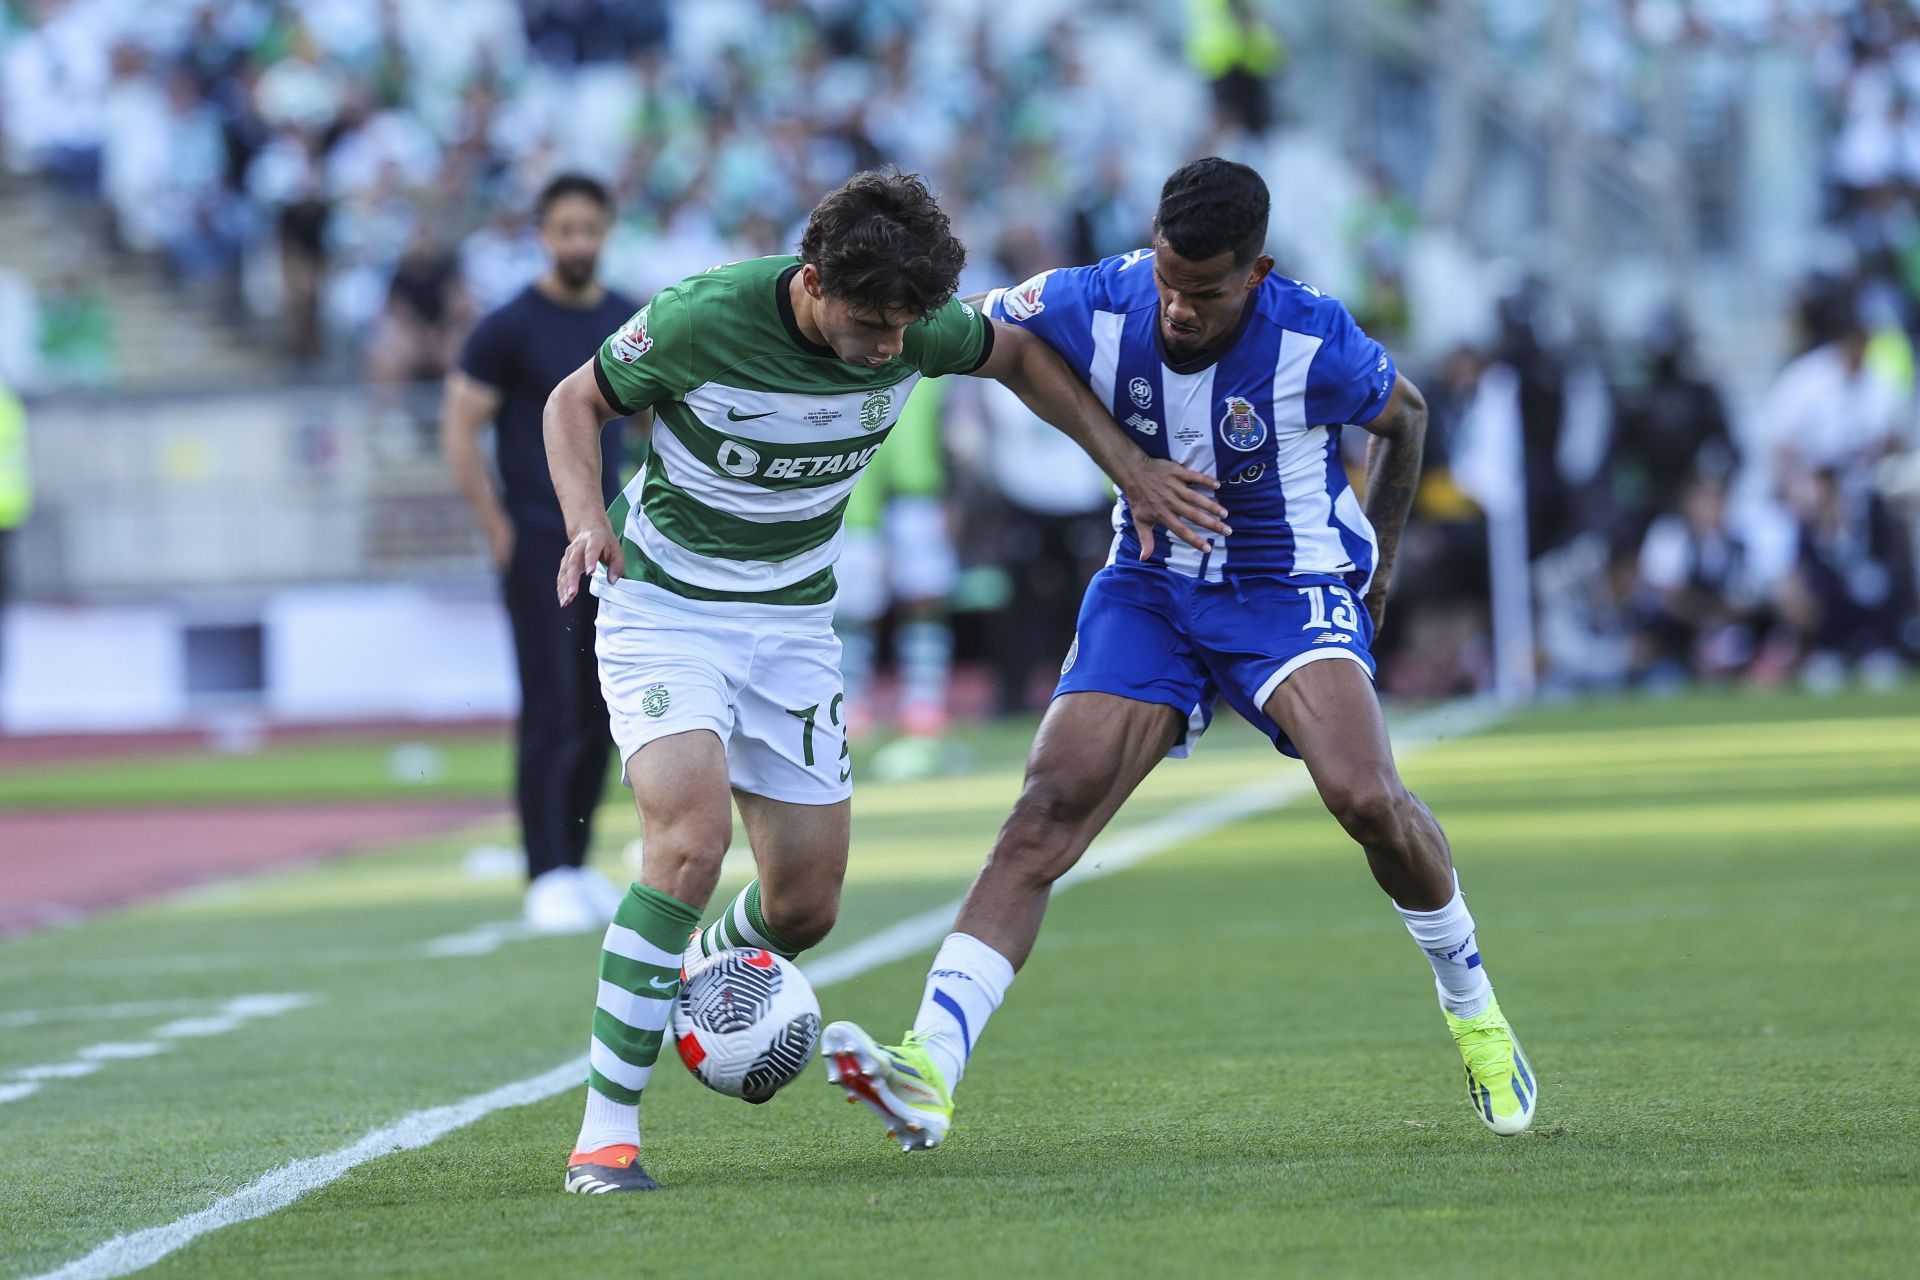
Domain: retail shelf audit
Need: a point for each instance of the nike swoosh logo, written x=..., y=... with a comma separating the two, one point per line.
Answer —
x=656, y=983
x=846, y=773
x=732, y=416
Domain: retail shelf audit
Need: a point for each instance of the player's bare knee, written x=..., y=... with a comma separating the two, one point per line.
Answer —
x=1375, y=810
x=682, y=857
x=800, y=923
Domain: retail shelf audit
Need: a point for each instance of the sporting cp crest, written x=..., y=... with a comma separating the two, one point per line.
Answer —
x=1241, y=427
x=875, y=410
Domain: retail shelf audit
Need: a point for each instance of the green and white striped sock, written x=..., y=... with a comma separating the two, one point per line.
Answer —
x=639, y=978
x=741, y=925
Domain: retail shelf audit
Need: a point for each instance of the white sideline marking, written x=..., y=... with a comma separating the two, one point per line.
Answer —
x=100, y=1012
x=115, y=1051
x=141, y=1249
x=126, y=1254
x=233, y=1014
x=478, y=941
x=57, y=1071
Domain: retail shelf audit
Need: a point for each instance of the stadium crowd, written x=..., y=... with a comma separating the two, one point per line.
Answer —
x=358, y=173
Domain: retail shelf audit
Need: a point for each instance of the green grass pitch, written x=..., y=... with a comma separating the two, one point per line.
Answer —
x=1702, y=914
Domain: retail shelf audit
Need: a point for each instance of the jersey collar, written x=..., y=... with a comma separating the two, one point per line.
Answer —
x=783, y=298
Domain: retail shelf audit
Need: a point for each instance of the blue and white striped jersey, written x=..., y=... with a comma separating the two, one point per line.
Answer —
x=1264, y=418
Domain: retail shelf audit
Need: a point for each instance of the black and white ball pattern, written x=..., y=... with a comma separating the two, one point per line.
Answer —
x=746, y=1023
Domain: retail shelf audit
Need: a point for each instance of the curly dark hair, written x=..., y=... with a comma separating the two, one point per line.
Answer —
x=1211, y=206
x=882, y=242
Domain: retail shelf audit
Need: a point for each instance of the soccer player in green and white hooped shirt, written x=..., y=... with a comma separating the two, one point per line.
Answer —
x=773, y=382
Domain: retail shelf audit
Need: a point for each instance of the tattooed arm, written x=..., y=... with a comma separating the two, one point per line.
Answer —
x=1393, y=473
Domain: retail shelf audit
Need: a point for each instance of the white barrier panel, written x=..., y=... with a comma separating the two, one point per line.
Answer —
x=358, y=652
x=401, y=652
x=85, y=668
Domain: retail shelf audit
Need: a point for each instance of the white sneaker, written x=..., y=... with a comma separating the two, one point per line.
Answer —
x=601, y=895
x=555, y=904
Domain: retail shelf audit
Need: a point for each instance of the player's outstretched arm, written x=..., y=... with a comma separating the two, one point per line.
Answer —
x=575, y=413
x=1161, y=493
x=1393, y=473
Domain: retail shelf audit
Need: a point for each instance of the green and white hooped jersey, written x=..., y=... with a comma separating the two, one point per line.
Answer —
x=759, y=436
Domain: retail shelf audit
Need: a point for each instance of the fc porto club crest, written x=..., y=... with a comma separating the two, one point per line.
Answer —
x=1241, y=427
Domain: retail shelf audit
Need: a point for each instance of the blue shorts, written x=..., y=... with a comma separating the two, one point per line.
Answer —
x=1156, y=636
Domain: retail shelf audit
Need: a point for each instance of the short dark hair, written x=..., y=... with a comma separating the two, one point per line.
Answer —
x=572, y=184
x=1212, y=206
x=882, y=241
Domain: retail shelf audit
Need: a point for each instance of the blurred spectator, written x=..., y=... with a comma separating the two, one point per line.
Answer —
x=77, y=341
x=16, y=488
x=1541, y=375
x=426, y=318
x=1669, y=424
x=1854, y=585
x=1704, y=612
x=1830, y=409
x=1381, y=232
x=1231, y=43
x=1436, y=646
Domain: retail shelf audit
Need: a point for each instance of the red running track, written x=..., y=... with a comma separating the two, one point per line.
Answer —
x=58, y=865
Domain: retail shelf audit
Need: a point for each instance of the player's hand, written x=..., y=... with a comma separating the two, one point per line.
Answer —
x=1167, y=495
x=593, y=545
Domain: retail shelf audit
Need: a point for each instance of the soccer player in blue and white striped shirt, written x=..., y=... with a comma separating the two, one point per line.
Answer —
x=1209, y=359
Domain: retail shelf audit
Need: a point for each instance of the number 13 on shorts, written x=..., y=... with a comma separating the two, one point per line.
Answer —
x=1345, y=615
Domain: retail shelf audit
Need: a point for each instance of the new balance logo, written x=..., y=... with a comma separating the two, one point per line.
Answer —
x=1145, y=426
x=1332, y=637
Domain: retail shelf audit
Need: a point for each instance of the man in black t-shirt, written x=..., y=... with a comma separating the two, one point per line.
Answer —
x=514, y=359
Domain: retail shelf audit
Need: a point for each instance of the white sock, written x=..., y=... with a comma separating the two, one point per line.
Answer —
x=1446, y=936
x=968, y=981
x=608, y=1123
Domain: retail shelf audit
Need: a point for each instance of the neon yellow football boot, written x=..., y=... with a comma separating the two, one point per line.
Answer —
x=901, y=1083
x=1500, y=1080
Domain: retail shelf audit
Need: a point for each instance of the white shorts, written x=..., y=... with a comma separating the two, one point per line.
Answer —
x=769, y=688
x=910, y=557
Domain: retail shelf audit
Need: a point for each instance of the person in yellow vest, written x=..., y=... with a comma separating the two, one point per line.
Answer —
x=1231, y=43
x=16, y=489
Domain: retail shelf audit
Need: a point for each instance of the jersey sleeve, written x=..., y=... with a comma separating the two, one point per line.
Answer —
x=1351, y=375
x=487, y=356
x=1054, y=306
x=955, y=339
x=649, y=358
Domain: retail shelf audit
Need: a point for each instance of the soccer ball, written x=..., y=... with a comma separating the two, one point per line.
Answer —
x=746, y=1023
